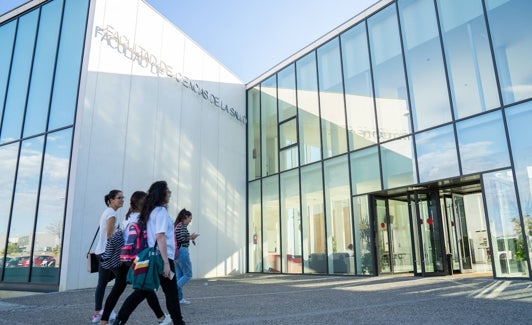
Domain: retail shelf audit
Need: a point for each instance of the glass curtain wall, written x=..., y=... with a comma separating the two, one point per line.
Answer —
x=418, y=92
x=40, y=65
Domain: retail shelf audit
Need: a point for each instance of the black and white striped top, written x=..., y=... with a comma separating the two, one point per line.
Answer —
x=182, y=235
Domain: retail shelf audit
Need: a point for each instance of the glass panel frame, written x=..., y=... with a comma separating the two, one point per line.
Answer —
x=254, y=132
x=291, y=252
x=254, y=227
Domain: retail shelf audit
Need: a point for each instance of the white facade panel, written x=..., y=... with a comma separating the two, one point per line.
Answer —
x=167, y=112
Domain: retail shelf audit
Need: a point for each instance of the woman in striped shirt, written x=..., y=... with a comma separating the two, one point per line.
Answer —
x=182, y=262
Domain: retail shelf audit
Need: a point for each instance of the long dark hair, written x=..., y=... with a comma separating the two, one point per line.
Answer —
x=112, y=195
x=156, y=197
x=182, y=215
x=135, y=202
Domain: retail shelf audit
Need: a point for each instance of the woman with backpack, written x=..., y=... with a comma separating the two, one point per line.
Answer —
x=132, y=235
x=160, y=231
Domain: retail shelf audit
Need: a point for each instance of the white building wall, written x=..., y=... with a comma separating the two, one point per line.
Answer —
x=135, y=126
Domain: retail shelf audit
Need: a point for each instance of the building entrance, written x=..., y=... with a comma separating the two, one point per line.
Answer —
x=432, y=232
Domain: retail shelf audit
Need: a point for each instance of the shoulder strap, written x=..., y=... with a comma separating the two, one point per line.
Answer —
x=93, y=239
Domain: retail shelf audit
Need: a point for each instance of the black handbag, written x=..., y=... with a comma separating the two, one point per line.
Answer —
x=93, y=262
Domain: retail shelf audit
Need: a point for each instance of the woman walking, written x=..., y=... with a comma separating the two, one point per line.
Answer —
x=161, y=231
x=114, y=201
x=136, y=203
x=183, y=263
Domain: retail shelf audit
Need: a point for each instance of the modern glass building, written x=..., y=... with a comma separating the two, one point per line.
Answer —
x=397, y=143
x=107, y=94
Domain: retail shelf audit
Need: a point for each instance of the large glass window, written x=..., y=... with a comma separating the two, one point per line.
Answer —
x=7, y=37
x=436, y=154
x=287, y=92
x=52, y=199
x=482, y=143
x=21, y=232
x=308, y=109
x=8, y=167
x=288, y=142
x=504, y=223
x=518, y=119
x=468, y=57
x=43, y=69
x=391, y=96
x=398, y=164
x=429, y=99
x=338, y=211
x=271, y=231
x=268, y=109
x=510, y=27
x=334, y=135
x=358, y=88
x=363, y=233
x=254, y=152
x=365, y=170
x=254, y=227
x=313, y=219
x=19, y=77
x=68, y=67
x=291, y=223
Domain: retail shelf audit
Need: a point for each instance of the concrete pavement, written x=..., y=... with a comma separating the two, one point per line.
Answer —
x=295, y=299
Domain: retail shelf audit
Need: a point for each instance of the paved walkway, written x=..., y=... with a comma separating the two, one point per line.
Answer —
x=285, y=299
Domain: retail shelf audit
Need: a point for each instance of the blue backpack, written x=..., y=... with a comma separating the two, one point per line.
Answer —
x=137, y=240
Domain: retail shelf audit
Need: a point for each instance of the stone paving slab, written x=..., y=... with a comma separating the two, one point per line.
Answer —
x=296, y=299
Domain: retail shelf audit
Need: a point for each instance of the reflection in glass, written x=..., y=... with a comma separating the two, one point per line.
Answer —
x=388, y=75
x=270, y=221
x=69, y=57
x=19, y=76
x=52, y=199
x=510, y=27
x=505, y=225
x=338, y=210
x=313, y=219
x=468, y=57
x=308, y=109
x=8, y=167
x=482, y=143
x=365, y=170
x=398, y=165
x=363, y=253
x=288, y=141
x=287, y=92
x=289, y=158
x=358, y=88
x=7, y=37
x=43, y=69
x=429, y=99
x=268, y=101
x=24, y=209
x=291, y=223
x=333, y=130
x=518, y=119
x=254, y=228
x=253, y=125
x=436, y=154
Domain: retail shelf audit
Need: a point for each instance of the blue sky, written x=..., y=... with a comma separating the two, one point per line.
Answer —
x=249, y=36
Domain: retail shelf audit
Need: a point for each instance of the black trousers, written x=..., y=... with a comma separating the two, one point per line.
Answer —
x=118, y=289
x=170, y=292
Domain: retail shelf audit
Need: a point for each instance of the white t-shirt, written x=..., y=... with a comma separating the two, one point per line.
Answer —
x=102, y=239
x=133, y=217
x=160, y=222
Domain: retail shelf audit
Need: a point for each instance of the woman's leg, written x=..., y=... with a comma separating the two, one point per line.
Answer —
x=116, y=291
x=170, y=292
x=185, y=267
x=129, y=305
x=153, y=302
x=104, y=276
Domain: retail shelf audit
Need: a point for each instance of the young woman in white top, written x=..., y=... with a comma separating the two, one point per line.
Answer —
x=114, y=201
x=160, y=229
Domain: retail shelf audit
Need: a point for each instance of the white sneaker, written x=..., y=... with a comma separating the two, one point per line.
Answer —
x=96, y=317
x=184, y=301
x=112, y=316
x=167, y=320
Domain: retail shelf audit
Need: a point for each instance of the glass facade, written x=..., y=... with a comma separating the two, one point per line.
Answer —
x=40, y=64
x=363, y=139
